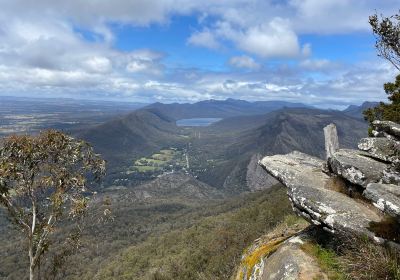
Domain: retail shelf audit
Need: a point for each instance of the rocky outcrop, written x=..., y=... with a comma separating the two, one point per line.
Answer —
x=291, y=262
x=387, y=128
x=356, y=166
x=381, y=148
x=347, y=195
x=385, y=197
x=315, y=197
x=279, y=255
x=331, y=197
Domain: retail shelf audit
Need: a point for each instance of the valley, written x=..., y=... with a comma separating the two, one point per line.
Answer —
x=30, y=115
x=173, y=182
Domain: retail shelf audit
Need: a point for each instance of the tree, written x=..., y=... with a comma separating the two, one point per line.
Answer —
x=43, y=181
x=387, y=111
x=387, y=34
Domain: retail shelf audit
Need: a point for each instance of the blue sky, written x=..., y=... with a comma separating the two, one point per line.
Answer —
x=319, y=52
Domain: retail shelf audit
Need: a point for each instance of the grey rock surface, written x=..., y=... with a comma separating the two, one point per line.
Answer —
x=357, y=167
x=314, y=195
x=381, y=148
x=290, y=262
x=331, y=140
x=256, y=178
x=391, y=176
x=388, y=127
x=386, y=197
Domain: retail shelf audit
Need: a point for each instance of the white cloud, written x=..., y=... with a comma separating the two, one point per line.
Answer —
x=41, y=51
x=273, y=39
x=244, y=62
x=317, y=64
x=98, y=64
x=204, y=39
x=337, y=16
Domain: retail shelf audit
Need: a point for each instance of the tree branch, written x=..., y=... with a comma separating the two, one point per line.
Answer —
x=14, y=213
x=43, y=238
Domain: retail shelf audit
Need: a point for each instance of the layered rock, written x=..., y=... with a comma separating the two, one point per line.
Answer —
x=381, y=148
x=387, y=128
x=356, y=166
x=315, y=197
x=291, y=262
x=385, y=197
x=279, y=255
x=324, y=196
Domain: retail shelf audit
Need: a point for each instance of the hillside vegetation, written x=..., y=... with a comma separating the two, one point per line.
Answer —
x=209, y=249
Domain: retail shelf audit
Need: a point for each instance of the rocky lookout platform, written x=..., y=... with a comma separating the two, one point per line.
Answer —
x=353, y=193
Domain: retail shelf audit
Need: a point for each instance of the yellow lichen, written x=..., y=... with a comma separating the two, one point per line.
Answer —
x=268, y=244
x=253, y=257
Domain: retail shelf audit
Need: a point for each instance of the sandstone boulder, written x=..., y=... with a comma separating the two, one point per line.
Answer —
x=386, y=197
x=290, y=262
x=357, y=167
x=381, y=148
x=314, y=196
x=391, y=176
x=388, y=127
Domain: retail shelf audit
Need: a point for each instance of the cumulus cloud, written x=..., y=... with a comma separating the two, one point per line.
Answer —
x=318, y=64
x=98, y=64
x=44, y=51
x=272, y=39
x=204, y=38
x=244, y=62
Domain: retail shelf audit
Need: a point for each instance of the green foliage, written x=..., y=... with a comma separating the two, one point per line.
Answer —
x=327, y=259
x=387, y=33
x=210, y=249
x=387, y=111
x=43, y=180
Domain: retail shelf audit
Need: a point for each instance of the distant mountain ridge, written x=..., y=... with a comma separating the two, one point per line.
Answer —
x=221, y=156
x=221, y=108
x=136, y=134
x=279, y=132
x=357, y=111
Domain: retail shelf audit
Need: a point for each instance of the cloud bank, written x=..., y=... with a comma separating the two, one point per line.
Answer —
x=43, y=51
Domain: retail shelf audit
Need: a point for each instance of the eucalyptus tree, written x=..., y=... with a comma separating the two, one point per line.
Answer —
x=387, y=34
x=43, y=182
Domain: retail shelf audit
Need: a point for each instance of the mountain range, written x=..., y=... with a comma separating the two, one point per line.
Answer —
x=357, y=111
x=220, y=154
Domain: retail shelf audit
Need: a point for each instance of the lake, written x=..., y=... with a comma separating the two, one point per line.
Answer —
x=197, y=121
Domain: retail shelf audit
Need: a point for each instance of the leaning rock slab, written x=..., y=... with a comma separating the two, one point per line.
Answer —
x=381, y=148
x=388, y=127
x=313, y=196
x=386, y=197
x=356, y=167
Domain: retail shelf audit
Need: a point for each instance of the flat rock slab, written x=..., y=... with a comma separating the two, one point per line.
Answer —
x=389, y=127
x=386, y=197
x=313, y=196
x=381, y=148
x=357, y=167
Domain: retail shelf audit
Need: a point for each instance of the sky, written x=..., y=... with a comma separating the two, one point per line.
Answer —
x=319, y=52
